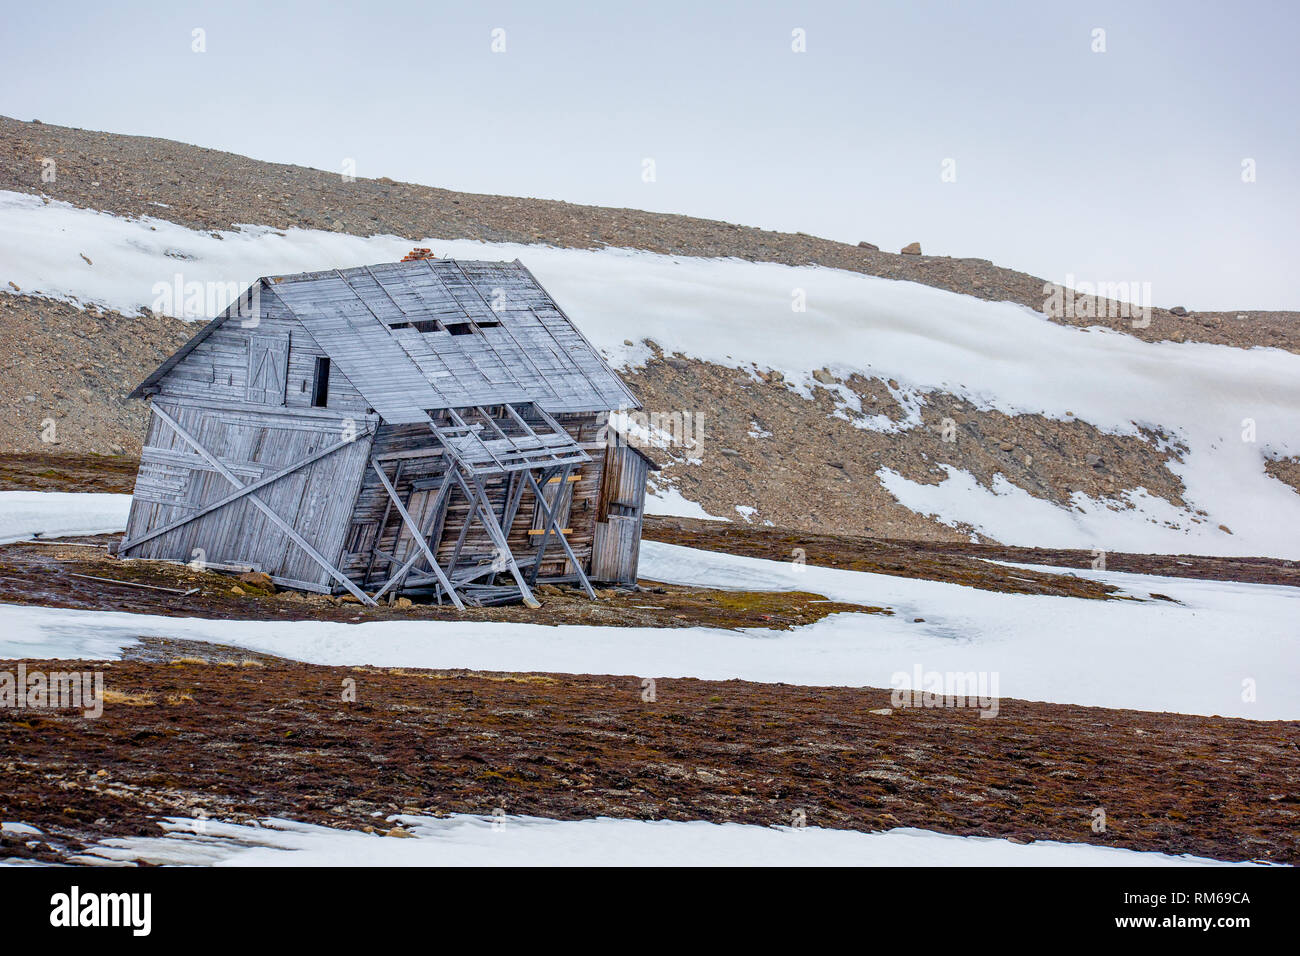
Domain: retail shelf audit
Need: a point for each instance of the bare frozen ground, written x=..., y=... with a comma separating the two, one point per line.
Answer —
x=239, y=739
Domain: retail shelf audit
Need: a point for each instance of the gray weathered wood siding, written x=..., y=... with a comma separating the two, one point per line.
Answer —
x=251, y=441
x=617, y=540
x=220, y=368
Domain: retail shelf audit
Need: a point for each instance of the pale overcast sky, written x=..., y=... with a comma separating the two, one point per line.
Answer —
x=1123, y=165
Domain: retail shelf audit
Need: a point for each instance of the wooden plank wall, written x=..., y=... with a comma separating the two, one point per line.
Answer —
x=251, y=441
x=617, y=542
x=217, y=370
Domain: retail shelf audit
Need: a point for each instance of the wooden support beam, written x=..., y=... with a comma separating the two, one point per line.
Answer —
x=512, y=505
x=552, y=523
x=263, y=507
x=379, y=532
x=470, y=514
x=239, y=493
x=416, y=553
x=478, y=498
x=415, y=531
x=546, y=528
x=521, y=421
x=491, y=422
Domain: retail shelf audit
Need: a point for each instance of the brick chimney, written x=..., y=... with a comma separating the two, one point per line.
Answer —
x=419, y=252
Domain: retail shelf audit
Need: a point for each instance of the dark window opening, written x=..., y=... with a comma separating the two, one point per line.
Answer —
x=461, y=328
x=320, y=392
x=421, y=325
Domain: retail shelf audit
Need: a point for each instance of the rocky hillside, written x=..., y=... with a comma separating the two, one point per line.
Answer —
x=209, y=189
x=771, y=448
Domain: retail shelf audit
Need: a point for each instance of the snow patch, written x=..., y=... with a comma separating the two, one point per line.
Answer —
x=49, y=514
x=468, y=840
x=665, y=500
x=1190, y=657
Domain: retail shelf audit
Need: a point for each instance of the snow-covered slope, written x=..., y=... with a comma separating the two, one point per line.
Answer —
x=1229, y=407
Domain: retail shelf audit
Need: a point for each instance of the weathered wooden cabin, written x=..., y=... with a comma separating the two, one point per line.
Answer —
x=431, y=428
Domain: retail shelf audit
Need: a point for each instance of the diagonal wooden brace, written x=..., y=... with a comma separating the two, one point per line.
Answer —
x=553, y=525
x=415, y=533
x=236, y=495
x=263, y=507
x=486, y=515
x=416, y=553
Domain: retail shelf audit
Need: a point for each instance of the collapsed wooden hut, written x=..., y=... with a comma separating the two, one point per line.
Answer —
x=431, y=428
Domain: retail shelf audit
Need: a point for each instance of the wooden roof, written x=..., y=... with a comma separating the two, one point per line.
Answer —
x=441, y=333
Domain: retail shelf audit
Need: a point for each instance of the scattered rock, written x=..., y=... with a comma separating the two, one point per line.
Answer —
x=911, y=249
x=825, y=377
x=258, y=579
x=1178, y=310
x=871, y=247
x=400, y=833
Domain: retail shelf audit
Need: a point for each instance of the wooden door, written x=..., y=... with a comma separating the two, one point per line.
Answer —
x=268, y=368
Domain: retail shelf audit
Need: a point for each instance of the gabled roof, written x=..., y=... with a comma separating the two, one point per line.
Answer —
x=440, y=333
